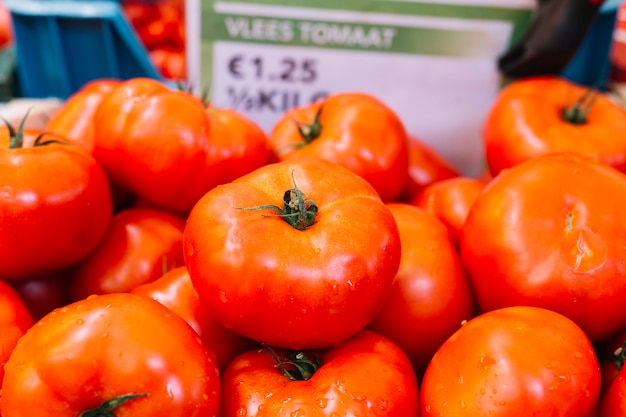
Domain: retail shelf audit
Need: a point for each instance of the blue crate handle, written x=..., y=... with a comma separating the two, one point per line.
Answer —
x=61, y=45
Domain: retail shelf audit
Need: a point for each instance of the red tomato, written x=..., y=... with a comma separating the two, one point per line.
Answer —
x=549, y=232
x=513, y=362
x=354, y=130
x=432, y=295
x=170, y=62
x=82, y=358
x=426, y=166
x=6, y=26
x=158, y=143
x=612, y=354
x=141, y=244
x=74, y=120
x=15, y=320
x=175, y=291
x=367, y=375
x=450, y=200
x=293, y=270
x=539, y=115
x=44, y=293
x=55, y=203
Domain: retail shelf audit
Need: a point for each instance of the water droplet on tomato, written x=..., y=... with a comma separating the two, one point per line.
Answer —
x=223, y=297
x=317, y=250
x=323, y=403
x=80, y=322
x=190, y=249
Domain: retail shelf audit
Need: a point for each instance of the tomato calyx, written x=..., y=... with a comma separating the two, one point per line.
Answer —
x=300, y=365
x=16, y=137
x=619, y=356
x=577, y=113
x=310, y=131
x=297, y=211
x=106, y=408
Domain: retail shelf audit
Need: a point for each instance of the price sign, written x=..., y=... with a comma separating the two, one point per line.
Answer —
x=433, y=62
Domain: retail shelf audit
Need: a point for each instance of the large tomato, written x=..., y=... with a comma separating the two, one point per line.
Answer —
x=297, y=254
x=549, y=232
x=513, y=362
x=15, y=320
x=140, y=245
x=115, y=354
x=432, y=295
x=175, y=291
x=367, y=375
x=353, y=130
x=55, y=203
x=159, y=144
x=539, y=115
x=74, y=120
x=612, y=354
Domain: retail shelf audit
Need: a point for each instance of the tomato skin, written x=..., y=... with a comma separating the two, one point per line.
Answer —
x=526, y=121
x=366, y=375
x=426, y=166
x=558, y=241
x=15, y=320
x=175, y=291
x=74, y=120
x=139, y=245
x=450, y=200
x=358, y=132
x=106, y=346
x=515, y=361
x=292, y=288
x=432, y=295
x=50, y=193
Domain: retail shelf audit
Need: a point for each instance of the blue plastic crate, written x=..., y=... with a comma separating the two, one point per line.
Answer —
x=61, y=45
x=591, y=65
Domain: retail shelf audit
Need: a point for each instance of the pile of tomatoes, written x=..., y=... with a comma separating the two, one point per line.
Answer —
x=161, y=256
x=160, y=26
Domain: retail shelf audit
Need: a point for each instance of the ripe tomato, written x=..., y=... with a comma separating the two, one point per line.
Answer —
x=107, y=348
x=353, y=130
x=513, y=362
x=539, y=115
x=175, y=291
x=366, y=375
x=55, y=203
x=15, y=320
x=74, y=120
x=293, y=270
x=426, y=166
x=432, y=295
x=612, y=353
x=141, y=244
x=158, y=143
x=549, y=233
x=450, y=200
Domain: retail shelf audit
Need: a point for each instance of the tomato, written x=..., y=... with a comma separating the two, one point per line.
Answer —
x=141, y=244
x=539, y=115
x=515, y=361
x=367, y=375
x=88, y=355
x=15, y=320
x=43, y=293
x=55, y=203
x=426, y=166
x=171, y=63
x=74, y=120
x=549, y=232
x=450, y=200
x=354, y=130
x=297, y=254
x=432, y=295
x=175, y=291
x=158, y=144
